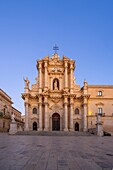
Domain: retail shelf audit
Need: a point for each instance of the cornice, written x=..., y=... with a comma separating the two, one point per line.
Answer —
x=26, y=95
x=86, y=95
x=98, y=98
x=100, y=86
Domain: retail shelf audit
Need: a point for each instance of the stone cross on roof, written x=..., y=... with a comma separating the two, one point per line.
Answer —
x=55, y=48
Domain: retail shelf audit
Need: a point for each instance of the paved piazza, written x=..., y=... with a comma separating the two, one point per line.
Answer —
x=56, y=152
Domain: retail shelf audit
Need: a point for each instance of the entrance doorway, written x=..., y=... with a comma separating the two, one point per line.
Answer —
x=76, y=126
x=34, y=126
x=55, y=122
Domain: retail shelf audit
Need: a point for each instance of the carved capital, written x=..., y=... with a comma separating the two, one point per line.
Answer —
x=26, y=104
x=85, y=104
x=45, y=64
x=40, y=103
x=65, y=103
x=45, y=99
x=71, y=66
x=71, y=100
x=65, y=99
x=40, y=99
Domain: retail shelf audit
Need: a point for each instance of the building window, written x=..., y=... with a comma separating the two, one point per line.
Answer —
x=77, y=111
x=34, y=111
x=99, y=93
x=100, y=110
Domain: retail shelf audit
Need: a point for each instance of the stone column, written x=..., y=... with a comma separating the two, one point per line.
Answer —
x=85, y=117
x=65, y=115
x=51, y=83
x=85, y=100
x=40, y=76
x=66, y=74
x=71, y=78
x=46, y=115
x=40, y=114
x=99, y=126
x=71, y=114
x=45, y=76
x=26, y=116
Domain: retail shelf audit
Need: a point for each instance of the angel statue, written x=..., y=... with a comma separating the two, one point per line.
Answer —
x=26, y=82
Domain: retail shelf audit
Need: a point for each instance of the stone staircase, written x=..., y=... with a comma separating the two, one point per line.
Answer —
x=53, y=133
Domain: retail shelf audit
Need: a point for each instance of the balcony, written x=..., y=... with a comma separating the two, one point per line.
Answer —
x=101, y=114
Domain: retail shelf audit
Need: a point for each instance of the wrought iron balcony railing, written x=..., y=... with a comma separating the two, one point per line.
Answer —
x=101, y=114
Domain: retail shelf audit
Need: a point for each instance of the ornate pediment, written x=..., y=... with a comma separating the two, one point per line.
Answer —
x=55, y=62
x=65, y=58
x=56, y=107
x=99, y=104
x=55, y=95
x=55, y=56
x=55, y=100
x=46, y=58
x=77, y=118
x=56, y=69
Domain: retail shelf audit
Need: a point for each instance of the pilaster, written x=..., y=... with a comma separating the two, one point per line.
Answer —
x=46, y=113
x=65, y=113
x=71, y=113
x=45, y=76
x=40, y=113
x=40, y=76
x=85, y=116
x=26, y=116
x=66, y=74
x=71, y=77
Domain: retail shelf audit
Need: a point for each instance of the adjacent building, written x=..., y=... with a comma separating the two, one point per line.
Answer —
x=6, y=110
x=56, y=102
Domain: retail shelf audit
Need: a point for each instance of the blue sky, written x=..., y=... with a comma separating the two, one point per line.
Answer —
x=83, y=30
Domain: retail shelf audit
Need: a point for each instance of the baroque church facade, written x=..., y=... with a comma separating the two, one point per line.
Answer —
x=56, y=102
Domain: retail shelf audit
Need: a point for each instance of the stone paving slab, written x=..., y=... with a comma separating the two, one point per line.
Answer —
x=55, y=152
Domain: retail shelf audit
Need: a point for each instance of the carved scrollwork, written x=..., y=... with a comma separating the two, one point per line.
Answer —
x=56, y=70
x=55, y=100
x=56, y=108
x=58, y=96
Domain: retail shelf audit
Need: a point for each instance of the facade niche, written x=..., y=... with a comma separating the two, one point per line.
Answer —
x=55, y=84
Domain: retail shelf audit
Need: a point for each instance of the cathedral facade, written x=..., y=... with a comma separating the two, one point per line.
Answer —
x=56, y=102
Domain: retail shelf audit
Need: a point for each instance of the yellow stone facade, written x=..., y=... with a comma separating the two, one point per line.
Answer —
x=6, y=111
x=56, y=102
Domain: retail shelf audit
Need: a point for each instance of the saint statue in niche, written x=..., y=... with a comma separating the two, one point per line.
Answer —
x=55, y=85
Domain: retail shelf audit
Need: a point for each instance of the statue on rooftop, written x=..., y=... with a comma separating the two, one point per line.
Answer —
x=26, y=82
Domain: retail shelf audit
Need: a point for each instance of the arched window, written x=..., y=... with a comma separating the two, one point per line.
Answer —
x=55, y=84
x=77, y=111
x=34, y=110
